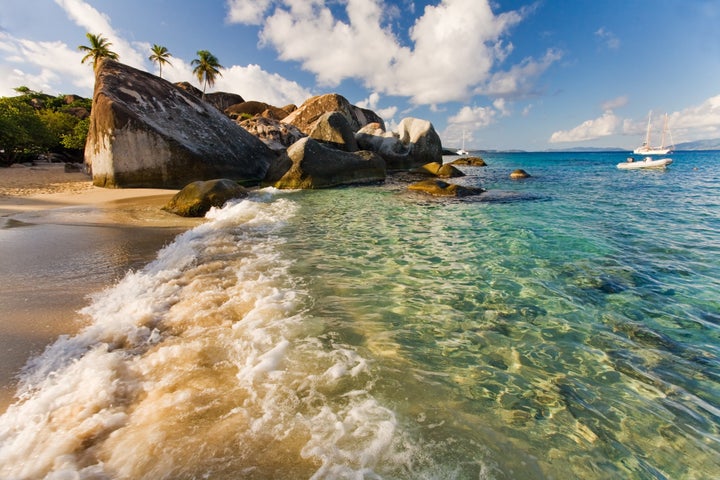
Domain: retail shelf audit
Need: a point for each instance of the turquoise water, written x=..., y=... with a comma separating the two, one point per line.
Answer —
x=564, y=326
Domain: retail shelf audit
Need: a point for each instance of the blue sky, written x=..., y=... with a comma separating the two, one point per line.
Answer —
x=510, y=74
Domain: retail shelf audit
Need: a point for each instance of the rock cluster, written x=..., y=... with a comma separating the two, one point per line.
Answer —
x=147, y=132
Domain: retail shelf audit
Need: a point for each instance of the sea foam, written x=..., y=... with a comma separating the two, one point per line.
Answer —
x=202, y=363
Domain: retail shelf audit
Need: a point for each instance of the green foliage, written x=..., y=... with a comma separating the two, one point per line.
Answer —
x=33, y=123
x=75, y=140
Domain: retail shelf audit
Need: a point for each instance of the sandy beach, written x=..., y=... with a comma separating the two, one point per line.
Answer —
x=62, y=239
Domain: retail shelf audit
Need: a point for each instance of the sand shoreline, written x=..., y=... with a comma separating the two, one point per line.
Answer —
x=63, y=239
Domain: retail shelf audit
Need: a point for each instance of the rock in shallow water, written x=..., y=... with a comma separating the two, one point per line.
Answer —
x=198, y=197
x=439, y=188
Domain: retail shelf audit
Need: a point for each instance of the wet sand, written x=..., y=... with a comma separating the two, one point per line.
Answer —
x=63, y=239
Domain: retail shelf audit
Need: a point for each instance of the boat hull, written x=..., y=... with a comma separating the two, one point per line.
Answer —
x=646, y=163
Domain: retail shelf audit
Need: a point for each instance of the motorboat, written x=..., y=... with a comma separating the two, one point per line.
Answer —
x=647, y=162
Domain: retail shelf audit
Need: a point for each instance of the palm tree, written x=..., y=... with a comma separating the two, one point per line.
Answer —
x=160, y=55
x=99, y=48
x=206, y=68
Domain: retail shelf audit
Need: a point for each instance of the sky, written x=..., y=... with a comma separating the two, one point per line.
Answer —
x=494, y=74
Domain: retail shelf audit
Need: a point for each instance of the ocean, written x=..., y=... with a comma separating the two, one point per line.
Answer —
x=566, y=326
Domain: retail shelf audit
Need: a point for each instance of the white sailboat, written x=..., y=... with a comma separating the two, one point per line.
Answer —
x=647, y=149
x=462, y=151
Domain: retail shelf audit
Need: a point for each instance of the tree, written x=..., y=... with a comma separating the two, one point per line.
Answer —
x=22, y=132
x=99, y=48
x=207, y=67
x=160, y=55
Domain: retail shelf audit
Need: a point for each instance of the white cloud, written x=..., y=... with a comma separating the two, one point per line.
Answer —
x=610, y=40
x=372, y=103
x=615, y=103
x=455, y=46
x=254, y=83
x=501, y=106
x=44, y=64
x=518, y=81
x=697, y=122
x=602, y=126
x=476, y=117
x=249, y=12
x=97, y=23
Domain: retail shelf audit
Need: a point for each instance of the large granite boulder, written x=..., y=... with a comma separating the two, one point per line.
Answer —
x=276, y=135
x=244, y=110
x=145, y=132
x=415, y=144
x=222, y=100
x=308, y=164
x=310, y=112
x=196, y=198
x=334, y=130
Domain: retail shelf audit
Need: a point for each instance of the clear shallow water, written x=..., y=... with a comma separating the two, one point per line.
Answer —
x=569, y=328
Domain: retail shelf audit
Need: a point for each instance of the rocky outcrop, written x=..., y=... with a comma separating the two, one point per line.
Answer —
x=144, y=132
x=308, y=164
x=245, y=110
x=198, y=197
x=416, y=143
x=469, y=162
x=310, y=112
x=436, y=169
x=276, y=135
x=334, y=130
x=440, y=188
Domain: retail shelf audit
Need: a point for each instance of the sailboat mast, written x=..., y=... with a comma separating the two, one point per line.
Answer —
x=662, y=140
x=647, y=135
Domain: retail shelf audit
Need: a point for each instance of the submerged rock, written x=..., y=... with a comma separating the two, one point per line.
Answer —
x=308, y=164
x=469, y=162
x=519, y=174
x=198, y=197
x=146, y=132
x=438, y=187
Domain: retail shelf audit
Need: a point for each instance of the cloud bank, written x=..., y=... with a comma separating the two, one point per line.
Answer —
x=361, y=45
x=697, y=122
